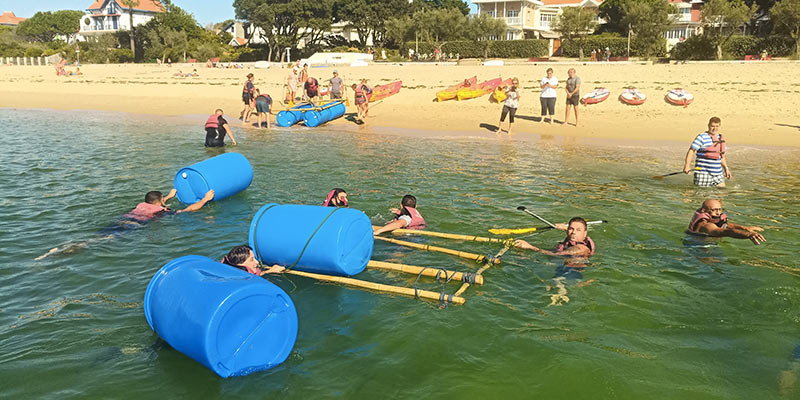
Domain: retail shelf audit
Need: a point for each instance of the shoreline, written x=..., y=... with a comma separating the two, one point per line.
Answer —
x=753, y=112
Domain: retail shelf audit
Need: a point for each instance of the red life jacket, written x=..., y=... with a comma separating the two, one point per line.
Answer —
x=588, y=242
x=250, y=89
x=417, y=222
x=213, y=121
x=699, y=215
x=145, y=211
x=715, y=151
x=328, y=199
x=359, y=92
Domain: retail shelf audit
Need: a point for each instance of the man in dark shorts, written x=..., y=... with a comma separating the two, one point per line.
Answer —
x=247, y=98
x=336, y=86
x=216, y=128
x=573, y=89
x=263, y=107
x=311, y=87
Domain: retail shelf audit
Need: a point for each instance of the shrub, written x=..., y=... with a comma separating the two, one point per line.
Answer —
x=616, y=43
x=496, y=48
x=701, y=48
x=121, y=56
x=696, y=47
x=33, y=51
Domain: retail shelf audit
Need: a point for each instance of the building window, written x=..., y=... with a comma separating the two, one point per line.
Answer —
x=546, y=19
x=512, y=13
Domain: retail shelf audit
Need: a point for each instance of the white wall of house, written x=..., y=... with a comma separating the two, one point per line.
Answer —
x=112, y=18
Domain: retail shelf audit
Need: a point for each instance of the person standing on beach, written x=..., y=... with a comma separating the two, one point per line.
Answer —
x=549, y=85
x=710, y=220
x=406, y=216
x=216, y=128
x=336, y=86
x=263, y=107
x=311, y=88
x=510, y=105
x=247, y=98
x=573, y=89
x=362, y=101
x=711, y=167
x=303, y=78
x=291, y=86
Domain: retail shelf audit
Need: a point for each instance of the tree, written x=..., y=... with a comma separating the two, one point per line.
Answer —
x=459, y=5
x=368, y=17
x=165, y=42
x=649, y=20
x=612, y=12
x=786, y=19
x=45, y=26
x=722, y=18
x=480, y=28
x=131, y=4
x=575, y=22
x=438, y=26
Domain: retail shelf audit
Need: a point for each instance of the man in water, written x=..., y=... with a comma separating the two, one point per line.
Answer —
x=154, y=205
x=243, y=258
x=336, y=86
x=710, y=220
x=711, y=162
x=216, y=128
x=406, y=216
x=576, y=244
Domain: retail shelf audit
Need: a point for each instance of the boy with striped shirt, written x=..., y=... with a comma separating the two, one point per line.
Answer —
x=711, y=167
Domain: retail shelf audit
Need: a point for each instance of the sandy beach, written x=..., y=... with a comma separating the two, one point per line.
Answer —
x=757, y=102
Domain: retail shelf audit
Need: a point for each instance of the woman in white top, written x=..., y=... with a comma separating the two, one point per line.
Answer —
x=548, y=98
x=510, y=105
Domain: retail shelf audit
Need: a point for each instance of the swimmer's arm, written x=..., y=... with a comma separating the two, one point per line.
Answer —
x=688, y=161
x=561, y=227
x=230, y=133
x=171, y=194
x=196, y=206
x=390, y=227
x=732, y=230
x=275, y=269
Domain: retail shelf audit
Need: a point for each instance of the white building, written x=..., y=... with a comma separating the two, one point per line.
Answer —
x=111, y=15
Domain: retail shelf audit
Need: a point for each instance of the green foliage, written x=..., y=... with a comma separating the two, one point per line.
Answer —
x=612, y=12
x=239, y=54
x=457, y=5
x=616, y=43
x=701, y=47
x=369, y=17
x=497, y=48
x=45, y=26
x=574, y=22
x=649, y=19
x=721, y=19
x=697, y=47
x=33, y=51
x=786, y=19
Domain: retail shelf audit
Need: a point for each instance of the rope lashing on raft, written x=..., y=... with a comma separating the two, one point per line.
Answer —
x=443, y=295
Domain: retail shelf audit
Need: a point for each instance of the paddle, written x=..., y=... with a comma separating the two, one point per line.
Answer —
x=520, y=231
x=522, y=208
x=669, y=174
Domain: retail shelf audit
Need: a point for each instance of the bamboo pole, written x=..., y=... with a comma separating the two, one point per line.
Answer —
x=425, y=294
x=447, y=235
x=462, y=254
x=486, y=266
x=413, y=269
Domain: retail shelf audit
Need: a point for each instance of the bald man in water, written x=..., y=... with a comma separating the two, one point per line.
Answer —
x=710, y=220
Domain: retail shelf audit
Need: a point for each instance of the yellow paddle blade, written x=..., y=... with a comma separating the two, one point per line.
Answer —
x=518, y=231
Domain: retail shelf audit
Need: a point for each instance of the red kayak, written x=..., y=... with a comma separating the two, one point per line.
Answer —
x=381, y=92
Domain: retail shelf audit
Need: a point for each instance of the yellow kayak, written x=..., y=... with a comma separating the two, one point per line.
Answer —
x=451, y=92
x=482, y=89
x=499, y=95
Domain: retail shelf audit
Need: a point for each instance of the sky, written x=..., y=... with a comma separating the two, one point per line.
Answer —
x=205, y=11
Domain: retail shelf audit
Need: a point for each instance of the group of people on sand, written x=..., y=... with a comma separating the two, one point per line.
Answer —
x=61, y=71
x=255, y=102
x=336, y=89
x=193, y=74
x=547, y=98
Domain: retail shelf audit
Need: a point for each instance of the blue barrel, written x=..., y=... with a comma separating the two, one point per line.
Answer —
x=325, y=240
x=328, y=112
x=292, y=116
x=227, y=174
x=231, y=321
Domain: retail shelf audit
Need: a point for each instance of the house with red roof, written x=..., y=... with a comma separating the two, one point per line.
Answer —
x=687, y=21
x=9, y=19
x=111, y=15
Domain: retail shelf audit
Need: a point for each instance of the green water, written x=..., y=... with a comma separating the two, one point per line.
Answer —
x=653, y=317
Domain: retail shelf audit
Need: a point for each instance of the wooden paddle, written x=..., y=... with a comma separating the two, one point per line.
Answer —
x=670, y=174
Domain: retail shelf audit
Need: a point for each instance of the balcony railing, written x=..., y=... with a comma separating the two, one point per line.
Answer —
x=513, y=20
x=99, y=27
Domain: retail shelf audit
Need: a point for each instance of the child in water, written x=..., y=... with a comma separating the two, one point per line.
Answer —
x=406, y=216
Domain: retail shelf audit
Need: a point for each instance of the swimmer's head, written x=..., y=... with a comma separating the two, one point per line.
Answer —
x=576, y=229
x=241, y=255
x=713, y=207
x=409, y=201
x=219, y=111
x=154, y=197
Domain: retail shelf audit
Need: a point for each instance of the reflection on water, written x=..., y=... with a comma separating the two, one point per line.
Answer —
x=655, y=314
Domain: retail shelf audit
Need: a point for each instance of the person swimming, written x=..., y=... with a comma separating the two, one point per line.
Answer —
x=576, y=244
x=406, y=216
x=336, y=198
x=243, y=258
x=710, y=220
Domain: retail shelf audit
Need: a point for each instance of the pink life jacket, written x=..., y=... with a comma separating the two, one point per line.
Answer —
x=699, y=215
x=417, y=222
x=359, y=92
x=588, y=242
x=328, y=199
x=213, y=121
x=715, y=151
x=145, y=211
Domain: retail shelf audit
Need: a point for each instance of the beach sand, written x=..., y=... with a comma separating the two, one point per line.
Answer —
x=756, y=101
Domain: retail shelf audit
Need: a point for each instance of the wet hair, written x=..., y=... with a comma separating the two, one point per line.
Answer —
x=237, y=255
x=714, y=120
x=578, y=219
x=409, y=201
x=153, y=197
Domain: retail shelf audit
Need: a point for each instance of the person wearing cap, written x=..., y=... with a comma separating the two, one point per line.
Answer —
x=247, y=98
x=291, y=86
x=336, y=86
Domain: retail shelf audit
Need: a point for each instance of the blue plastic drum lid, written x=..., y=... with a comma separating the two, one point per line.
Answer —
x=232, y=322
x=312, y=118
x=227, y=174
x=326, y=240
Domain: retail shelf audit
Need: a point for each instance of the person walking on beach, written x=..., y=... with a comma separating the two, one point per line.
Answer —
x=711, y=167
x=303, y=78
x=549, y=85
x=608, y=54
x=336, y=86
x=406, y=216
x=710, y=220
x=216, y=128
x=291, y=87
x=247, y=98
x=243, y=258
x=263, y=107
x=362, y=101
x=573, y=89
x=510, y=106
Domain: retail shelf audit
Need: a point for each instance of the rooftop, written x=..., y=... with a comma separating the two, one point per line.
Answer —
x=144, y=5
x=8, y=18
